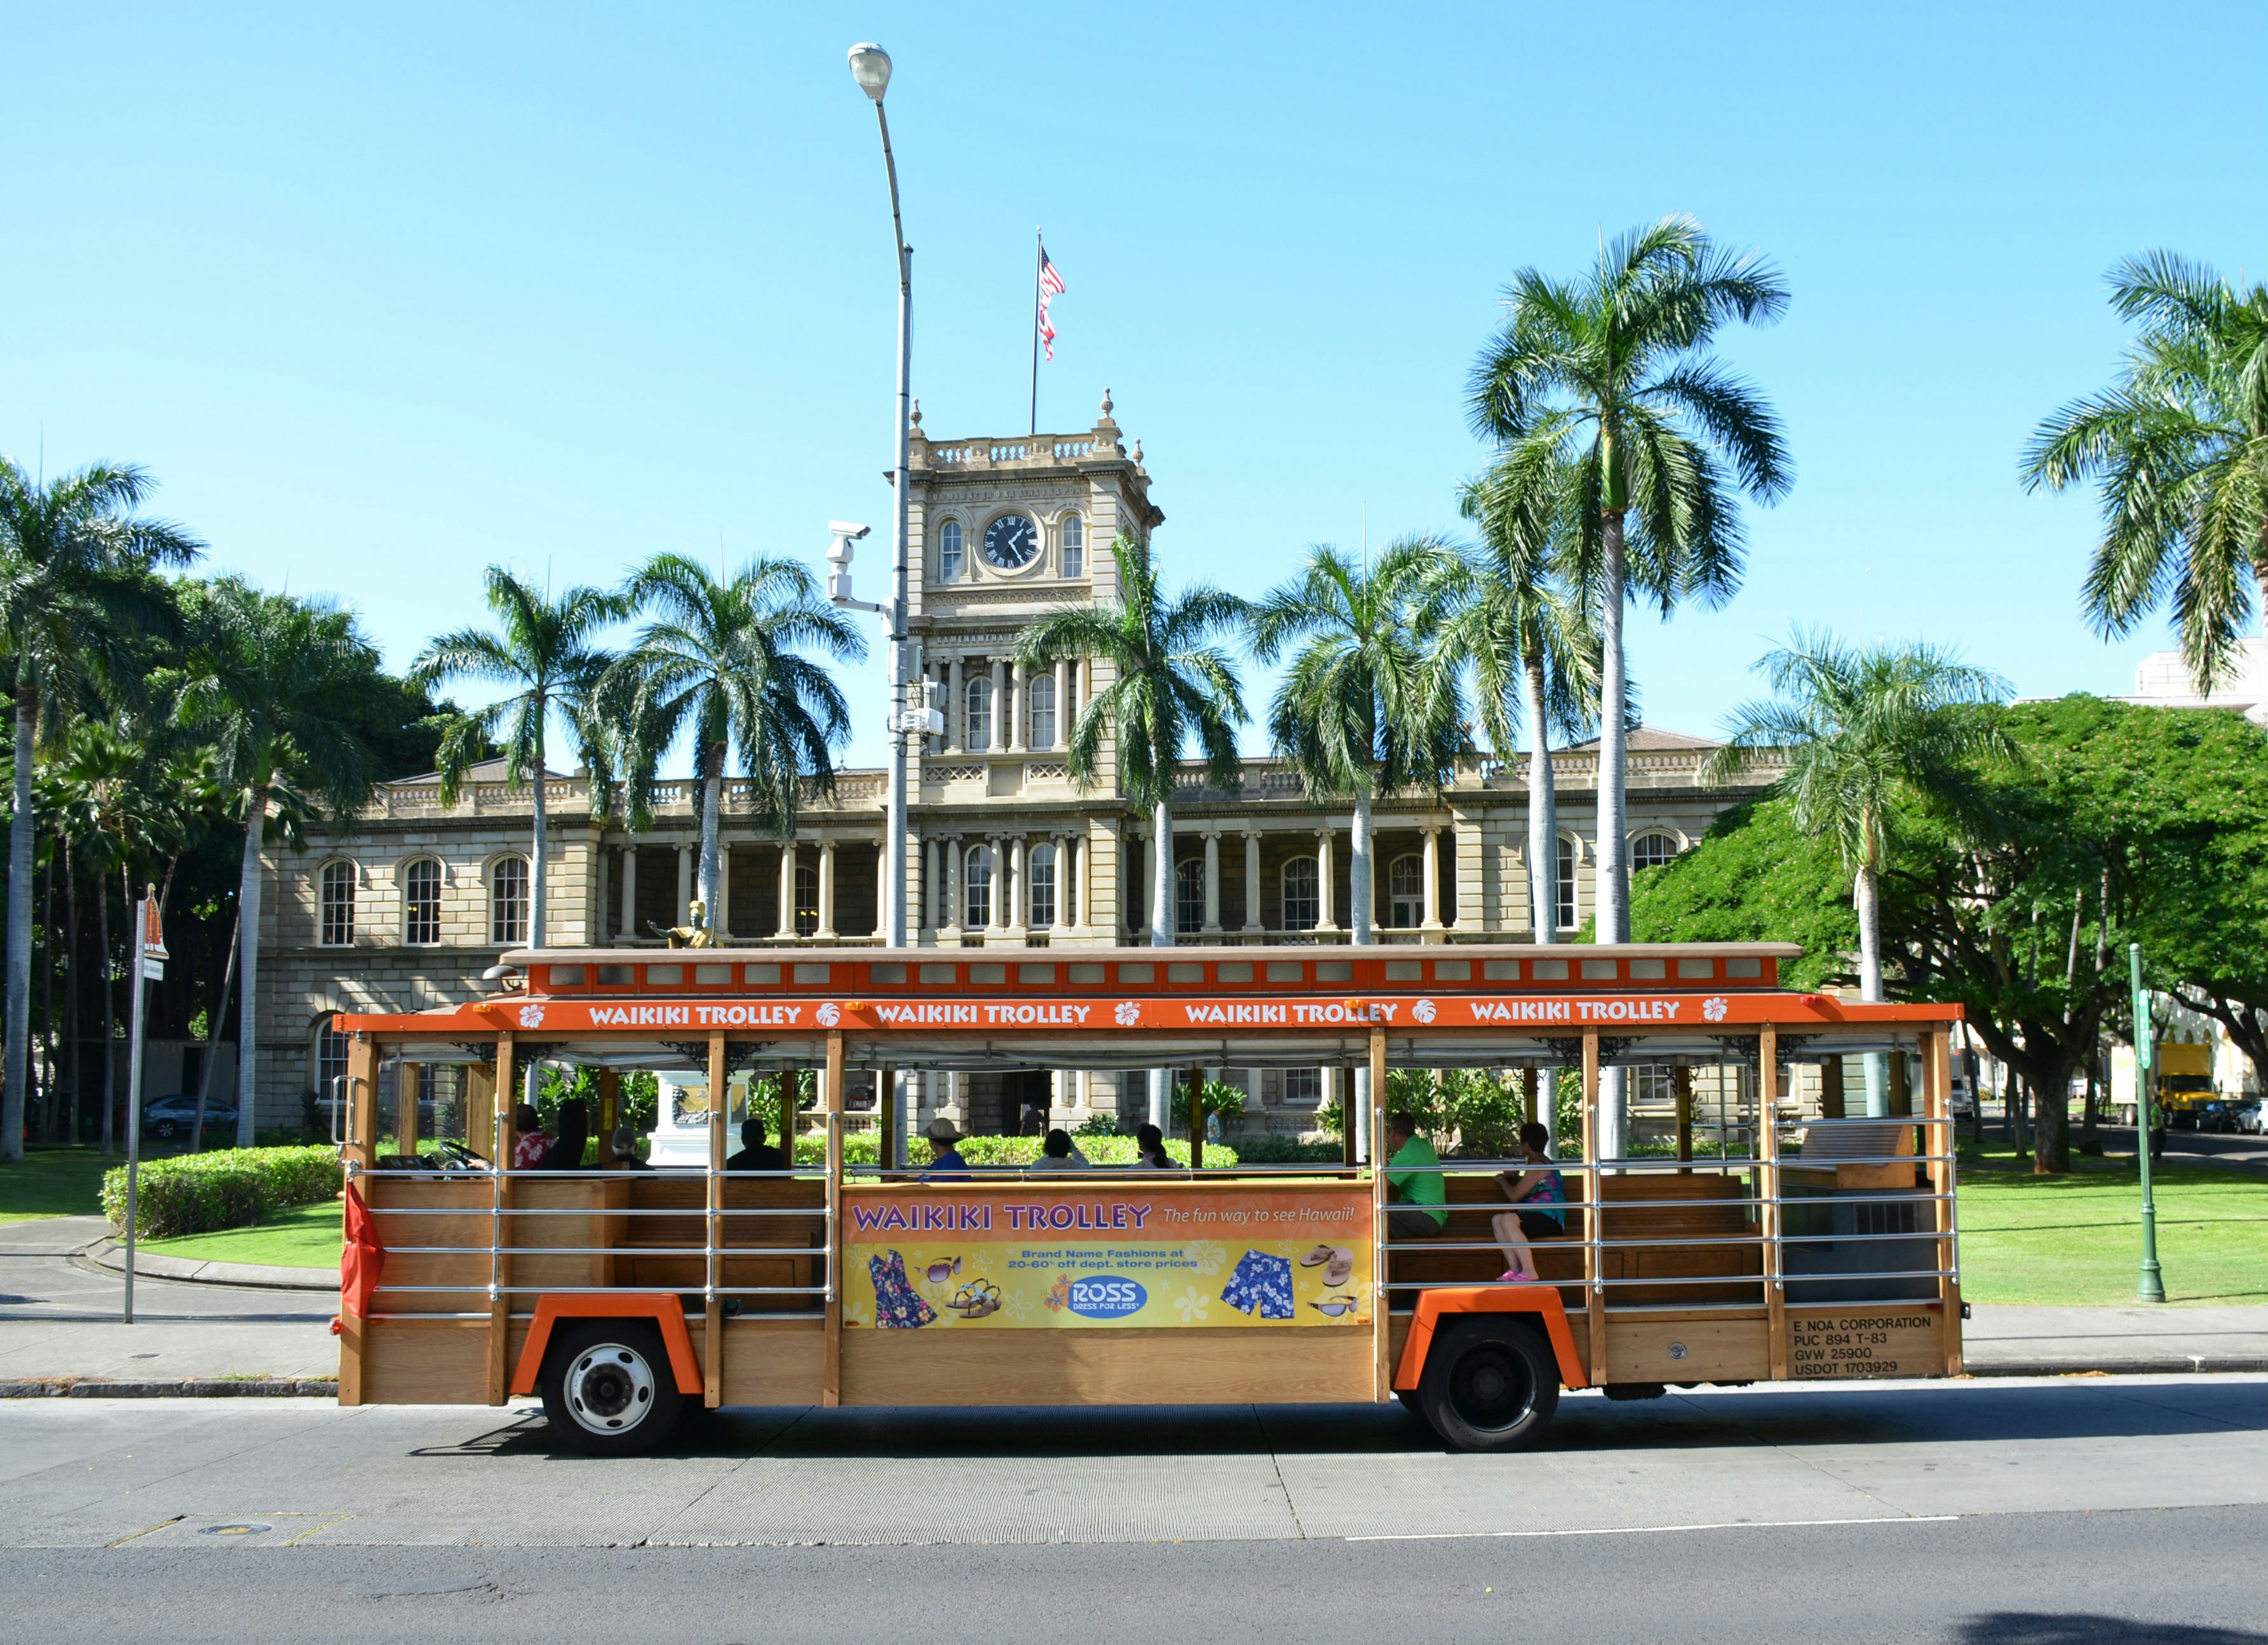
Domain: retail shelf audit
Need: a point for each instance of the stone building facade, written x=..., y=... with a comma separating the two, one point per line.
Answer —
x=408, y=907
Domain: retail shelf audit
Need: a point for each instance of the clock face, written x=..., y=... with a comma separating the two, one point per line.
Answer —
x=1011, y=543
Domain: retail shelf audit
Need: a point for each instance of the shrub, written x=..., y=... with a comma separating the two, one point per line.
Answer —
x=862, y=1148
x=194, y=1194
x=1283, y=1150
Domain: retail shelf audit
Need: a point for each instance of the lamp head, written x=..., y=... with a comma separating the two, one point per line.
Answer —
x=870, y=66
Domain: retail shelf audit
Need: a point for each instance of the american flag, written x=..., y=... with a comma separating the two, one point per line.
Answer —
x=1051, y=287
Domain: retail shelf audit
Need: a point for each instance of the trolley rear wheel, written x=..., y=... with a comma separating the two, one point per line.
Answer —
x=608, y=1390
x=1490, y=1384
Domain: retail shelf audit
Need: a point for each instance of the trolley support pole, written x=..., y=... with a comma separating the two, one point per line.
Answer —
x=1381, y=1312
x=1595, y=1291
x=1768, y=1182
x=500, y=1198
x=830, y=1102
x=712, y=1313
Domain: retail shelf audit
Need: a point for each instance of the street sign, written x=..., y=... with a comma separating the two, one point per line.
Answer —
x=154, y=941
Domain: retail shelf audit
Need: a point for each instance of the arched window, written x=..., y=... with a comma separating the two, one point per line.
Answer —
x=336, y=895
x=807, y=897
x=1041, y=693
x=980, y=716
x=1302, y=901
x=1651, y=850
x=1405, y=892
x=1041, y=863
x=1189, y=895
x=1074, y=545
x=1567, y=922
x=508, y=902
x=421, y=901
x=948, y=553
x=977, y=888
x=328, y=1062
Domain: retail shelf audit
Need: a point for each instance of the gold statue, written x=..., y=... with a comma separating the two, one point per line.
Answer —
x=696, y=934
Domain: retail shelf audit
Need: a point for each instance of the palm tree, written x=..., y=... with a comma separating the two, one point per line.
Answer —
x=74, y=584
x=1528, y=643
x=2179, y=446
x=1366, y=707
x=722, y=659
x=1171, y=687
x=1610, y=376
x=1862, y=730
x=272, y=683
x=544, y=656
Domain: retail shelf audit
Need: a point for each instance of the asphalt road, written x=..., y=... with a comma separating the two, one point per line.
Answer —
x=2100, y=1508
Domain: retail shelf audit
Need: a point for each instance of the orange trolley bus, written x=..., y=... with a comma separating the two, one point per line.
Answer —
x=1763, y=1237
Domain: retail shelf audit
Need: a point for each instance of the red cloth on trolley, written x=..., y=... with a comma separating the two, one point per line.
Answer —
x=362, y=1260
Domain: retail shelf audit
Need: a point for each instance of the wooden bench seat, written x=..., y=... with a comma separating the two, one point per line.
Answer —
x=686, y=1192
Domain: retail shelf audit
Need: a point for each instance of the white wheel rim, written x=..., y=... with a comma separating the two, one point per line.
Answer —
x=610, y=1389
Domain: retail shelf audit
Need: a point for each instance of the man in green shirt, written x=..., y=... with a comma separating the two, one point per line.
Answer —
x=1420, y=1197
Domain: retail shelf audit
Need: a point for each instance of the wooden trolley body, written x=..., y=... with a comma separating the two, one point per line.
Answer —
x=1838, y=1261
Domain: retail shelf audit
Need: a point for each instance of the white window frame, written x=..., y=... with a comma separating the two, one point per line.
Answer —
x=499, y=903
x=976, y=888
x=1040, y=863
x=1189, y=895
x=410, y=922
x=330, y=933
x=952, y=557
x=1040, y=709
x=1414, y=898
x=1313, y=894
x=976, y=692
x=322, y=1054
x=1568, y=916
x=1662, y=834
x=1074, y=544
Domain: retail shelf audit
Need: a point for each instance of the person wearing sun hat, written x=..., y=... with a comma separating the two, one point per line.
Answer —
x=944, y=1162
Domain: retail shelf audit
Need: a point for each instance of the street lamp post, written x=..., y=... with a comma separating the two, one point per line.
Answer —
x=2150, y=1285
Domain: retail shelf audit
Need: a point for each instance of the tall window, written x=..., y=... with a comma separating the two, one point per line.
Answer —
x=1303, y=1086
x=508, y=900
x=1042, y=872
x=1566, y=886
x=977, y=888
x=421, y=901
x=980, y=716
x=1651, y=850
x=336, y=897
x=330, y=1062
x=807, y=899
x=1074, y=546
x=1405, y=893
x=1189, y=895
x=1042, y=695
x=1302, y=903
x=948, y=553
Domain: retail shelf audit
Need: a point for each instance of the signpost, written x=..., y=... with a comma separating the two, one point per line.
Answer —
x=2151, y=1286
x=149, y=963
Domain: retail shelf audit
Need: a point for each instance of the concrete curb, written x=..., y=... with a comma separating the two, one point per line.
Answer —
x=191, y=1388
x=110, y=1254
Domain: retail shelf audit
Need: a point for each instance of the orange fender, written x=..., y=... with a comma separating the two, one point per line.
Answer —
x=1446, y=1303
x=661, y=1307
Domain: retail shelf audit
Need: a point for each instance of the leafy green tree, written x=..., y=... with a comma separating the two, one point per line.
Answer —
x=1367, y=706
x=75, y=584
x=1755, y=878
x=1528, y=640
x=272, y=683
x=723, y=659
x=1171, y=686
x=1610, y=376
x=542, y=654
x=2178, y=448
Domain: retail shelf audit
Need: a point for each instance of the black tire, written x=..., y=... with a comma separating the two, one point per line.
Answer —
x=608, y=1390
x=1410, y=1402
x=1490, y=1384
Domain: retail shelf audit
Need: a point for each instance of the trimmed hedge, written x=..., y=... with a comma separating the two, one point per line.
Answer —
x=859, y=1148
x=232, y=1187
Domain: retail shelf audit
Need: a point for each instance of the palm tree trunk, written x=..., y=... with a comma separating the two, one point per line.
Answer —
x=19, y=1027
x=248, y=917
x=1864, y=897
x=1542, y=812
x=213, y=1017
x=1161, y=935
x=1613, y=897
x=109, y=1008
x=47, y=1088
x=712, y=805
x=72, y=1038
x=540, y=846
x=1359, y=892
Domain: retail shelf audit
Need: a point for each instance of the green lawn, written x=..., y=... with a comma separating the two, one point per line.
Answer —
x=305, y=1237
x=2076, y=1241
x=54, y=1182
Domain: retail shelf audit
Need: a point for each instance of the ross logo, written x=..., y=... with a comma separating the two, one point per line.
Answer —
x=531, y=1016
x=1106, y=1296
x=1423, y=1010
x=829, y=1014
x=1128, y=1013
x=1714, y=1007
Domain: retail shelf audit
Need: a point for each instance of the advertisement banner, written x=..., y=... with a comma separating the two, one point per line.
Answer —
x=1046, y=1257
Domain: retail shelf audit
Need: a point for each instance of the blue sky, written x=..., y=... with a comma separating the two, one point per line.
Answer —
x=383, y=299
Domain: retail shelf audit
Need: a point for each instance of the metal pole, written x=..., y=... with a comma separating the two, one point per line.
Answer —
x=1039, y=255
x=2150, y=1285
x=135, y=964
x=894, y=842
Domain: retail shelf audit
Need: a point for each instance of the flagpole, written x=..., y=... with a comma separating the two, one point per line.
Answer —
x=1039, y=256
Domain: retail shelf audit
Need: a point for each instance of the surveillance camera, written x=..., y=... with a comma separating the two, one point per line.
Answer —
x=845, y=535
x=845, y=529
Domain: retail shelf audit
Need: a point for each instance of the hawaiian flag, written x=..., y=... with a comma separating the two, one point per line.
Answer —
x=1051, y=287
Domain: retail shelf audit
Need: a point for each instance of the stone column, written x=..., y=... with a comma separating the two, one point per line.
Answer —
x=629, y=892
x=787, y=890
x=1212, y=882
x=931, y=888
x=1000, y=908
x=1018, y=690
x=723, y=911
x=1020, y=906
x=1138, y=912
x=1065, y=906
x=1433, y=879
x=1327, y=894
x=953, y=902
x=999, y=708
x=826, y=888
x=1066, y=703
x=1252, y=883
x=684, y=884
x=956, y=710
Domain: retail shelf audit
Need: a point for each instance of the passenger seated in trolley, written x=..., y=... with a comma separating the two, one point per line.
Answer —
x=755, y=1153
x=1060, y=1153
x=1539, y=1187
x=1420, y=1208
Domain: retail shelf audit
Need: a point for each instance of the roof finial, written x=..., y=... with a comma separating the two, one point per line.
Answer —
x=916, y=416
x=1137, y=453
x=1106, y=402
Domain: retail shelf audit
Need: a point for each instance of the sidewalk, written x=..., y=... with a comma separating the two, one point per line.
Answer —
x=2002, y=1339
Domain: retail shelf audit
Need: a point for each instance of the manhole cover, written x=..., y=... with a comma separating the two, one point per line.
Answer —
x=242, y=1528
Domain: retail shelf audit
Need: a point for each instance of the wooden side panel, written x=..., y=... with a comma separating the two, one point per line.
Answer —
x=1864, y=1339
x=425, y=1361
x=779, y=1362
x=1169, y=1367
x=1647, y=1349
